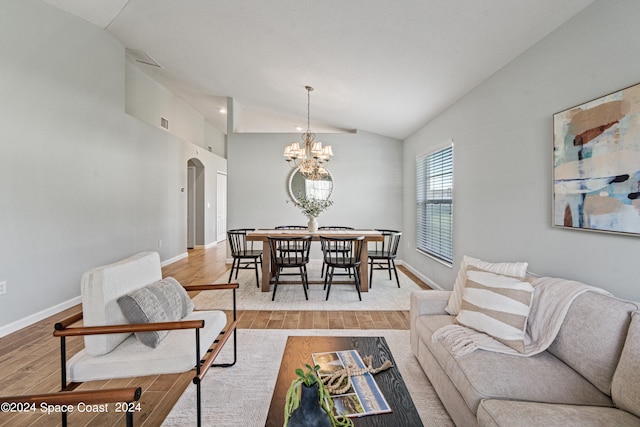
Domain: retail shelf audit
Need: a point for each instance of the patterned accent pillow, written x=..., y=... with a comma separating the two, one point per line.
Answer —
x=516, y=269
x=162, y=301
x=497, y=305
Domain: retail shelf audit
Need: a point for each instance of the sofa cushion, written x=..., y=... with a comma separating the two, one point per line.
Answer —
x=592, y=336
x=497, y=305
x=102, y=286
x=625, y=388
x=516, y=269
x=162, y=301
x=483, y=374
x=174, y=354
x=509, y=413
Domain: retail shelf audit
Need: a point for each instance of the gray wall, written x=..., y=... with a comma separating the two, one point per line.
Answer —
x=366, y=168
x=81, y=182
x=502, y=134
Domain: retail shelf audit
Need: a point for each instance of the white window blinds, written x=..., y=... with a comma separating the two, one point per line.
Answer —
x=434, y=203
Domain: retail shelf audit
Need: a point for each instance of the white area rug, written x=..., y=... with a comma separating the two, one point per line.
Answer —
x=227, y=401
x=384, y=295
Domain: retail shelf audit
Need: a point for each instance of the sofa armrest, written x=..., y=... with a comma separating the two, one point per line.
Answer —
x=429, y=302
x=425, y=303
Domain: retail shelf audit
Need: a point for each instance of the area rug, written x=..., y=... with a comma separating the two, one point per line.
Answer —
x=228, y=401
x=384, y=295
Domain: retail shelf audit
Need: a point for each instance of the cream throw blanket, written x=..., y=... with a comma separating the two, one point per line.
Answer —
x=552, y=298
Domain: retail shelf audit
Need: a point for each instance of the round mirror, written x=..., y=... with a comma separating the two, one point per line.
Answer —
x=314, y=189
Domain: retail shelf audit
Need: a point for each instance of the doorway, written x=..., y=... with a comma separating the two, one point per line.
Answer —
x=221, y=206
x=195, y=203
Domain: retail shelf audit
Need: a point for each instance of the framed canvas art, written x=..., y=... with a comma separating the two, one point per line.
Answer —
x=596, y=164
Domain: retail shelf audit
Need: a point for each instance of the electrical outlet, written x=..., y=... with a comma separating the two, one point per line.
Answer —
x=3, y=288
x=159, y=244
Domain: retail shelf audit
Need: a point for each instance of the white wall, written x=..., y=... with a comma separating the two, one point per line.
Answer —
x=82, y=183
x=502, y=134
x=149, y=101
x=366, y=168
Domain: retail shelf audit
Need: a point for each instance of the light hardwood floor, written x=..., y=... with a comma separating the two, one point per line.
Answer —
x=30, y=358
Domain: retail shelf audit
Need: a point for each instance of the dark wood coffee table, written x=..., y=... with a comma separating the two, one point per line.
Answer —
x=298, y=352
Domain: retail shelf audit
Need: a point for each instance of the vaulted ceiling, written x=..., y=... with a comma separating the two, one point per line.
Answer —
x=379, y=66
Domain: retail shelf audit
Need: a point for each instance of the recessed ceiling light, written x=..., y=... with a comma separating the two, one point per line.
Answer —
x=298, y=128
x=222, y=111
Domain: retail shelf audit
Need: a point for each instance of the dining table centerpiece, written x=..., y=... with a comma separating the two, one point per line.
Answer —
x=311, y=208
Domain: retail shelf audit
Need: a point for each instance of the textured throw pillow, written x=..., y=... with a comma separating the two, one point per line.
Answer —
x=516, y=269
x=162, y=301
x=497, y=305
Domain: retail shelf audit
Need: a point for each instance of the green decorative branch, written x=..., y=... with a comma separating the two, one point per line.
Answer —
x=311, y=208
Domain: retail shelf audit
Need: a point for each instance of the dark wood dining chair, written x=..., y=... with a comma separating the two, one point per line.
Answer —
x=288, y=253
x=333, y=227
x=291, y=227
x=335, y=255
x=383, y=254
x=243, y=254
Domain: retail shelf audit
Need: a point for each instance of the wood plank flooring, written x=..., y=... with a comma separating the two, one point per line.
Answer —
x=30, y=358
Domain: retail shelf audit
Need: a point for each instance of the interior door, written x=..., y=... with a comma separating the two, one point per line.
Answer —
x=221, y=224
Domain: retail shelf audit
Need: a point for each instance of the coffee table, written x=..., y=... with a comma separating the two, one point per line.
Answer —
x=298, y=352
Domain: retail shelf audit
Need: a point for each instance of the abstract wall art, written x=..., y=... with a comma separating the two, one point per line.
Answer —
x=596, y=164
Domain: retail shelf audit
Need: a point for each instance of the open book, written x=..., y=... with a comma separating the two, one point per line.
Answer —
x=364, y=397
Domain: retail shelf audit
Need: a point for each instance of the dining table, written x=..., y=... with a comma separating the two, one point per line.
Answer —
x=262, y=235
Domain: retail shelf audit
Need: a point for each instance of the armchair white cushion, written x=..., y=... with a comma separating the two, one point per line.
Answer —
x=102, y=286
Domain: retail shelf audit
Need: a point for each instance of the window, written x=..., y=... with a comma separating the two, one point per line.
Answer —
x=434, y=204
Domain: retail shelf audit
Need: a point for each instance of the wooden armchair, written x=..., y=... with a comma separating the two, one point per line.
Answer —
x=111, y=348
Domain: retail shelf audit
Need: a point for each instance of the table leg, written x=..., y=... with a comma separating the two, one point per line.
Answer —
x=364, y=269
x=266, y=266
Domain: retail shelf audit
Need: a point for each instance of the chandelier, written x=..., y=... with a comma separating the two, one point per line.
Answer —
x=311, y=156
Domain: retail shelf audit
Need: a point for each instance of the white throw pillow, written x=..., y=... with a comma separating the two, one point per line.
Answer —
x=516, y=269
x=497, y=305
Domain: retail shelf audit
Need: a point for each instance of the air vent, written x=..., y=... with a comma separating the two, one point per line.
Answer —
x=164, y=123
x=142, y=58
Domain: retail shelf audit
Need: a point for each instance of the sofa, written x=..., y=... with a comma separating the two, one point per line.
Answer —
x=589, y=375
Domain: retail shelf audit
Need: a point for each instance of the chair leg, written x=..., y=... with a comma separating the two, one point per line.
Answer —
x=356, y=276
x=233, y=263
x=322, y=271
x=255, y=264
x=330, y=274
x=303, y=276
x=370, y=273
x=198, y=402
x=396, y=272
x=275, y=286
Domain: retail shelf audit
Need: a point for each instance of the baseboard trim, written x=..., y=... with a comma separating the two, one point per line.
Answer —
x=174, y=259
x=421, y=276
x=207, y=246
x=36, y=317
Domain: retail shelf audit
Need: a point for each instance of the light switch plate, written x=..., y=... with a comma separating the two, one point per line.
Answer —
x=3, y=288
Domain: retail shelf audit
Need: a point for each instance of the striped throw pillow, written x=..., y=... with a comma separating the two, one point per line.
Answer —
x=517, y=269
x=497, y=305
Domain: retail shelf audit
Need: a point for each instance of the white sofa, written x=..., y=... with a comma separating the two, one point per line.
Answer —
x=589, y=376
x=112, y=347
